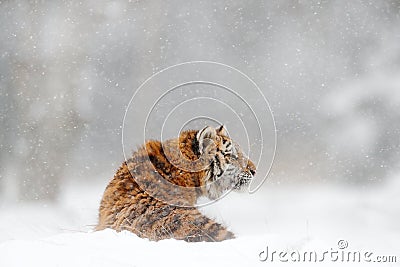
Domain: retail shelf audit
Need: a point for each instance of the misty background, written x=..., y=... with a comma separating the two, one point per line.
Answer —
x=329, y=69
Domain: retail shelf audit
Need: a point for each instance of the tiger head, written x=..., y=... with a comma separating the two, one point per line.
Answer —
x=228, y=166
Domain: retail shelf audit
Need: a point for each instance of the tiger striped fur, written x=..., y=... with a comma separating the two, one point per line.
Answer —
x=137, y=199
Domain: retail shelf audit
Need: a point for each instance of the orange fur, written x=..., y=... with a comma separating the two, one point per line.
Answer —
x=133, y=199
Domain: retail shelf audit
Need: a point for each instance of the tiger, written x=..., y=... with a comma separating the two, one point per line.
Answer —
x=143, y=198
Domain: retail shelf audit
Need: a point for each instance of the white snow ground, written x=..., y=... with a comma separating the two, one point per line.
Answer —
x=284, y=218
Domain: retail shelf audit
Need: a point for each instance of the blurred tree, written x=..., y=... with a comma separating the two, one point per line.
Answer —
x=46, y=128
x=41, y=94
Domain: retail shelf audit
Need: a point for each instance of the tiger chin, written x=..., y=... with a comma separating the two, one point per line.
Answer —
x=137, y=200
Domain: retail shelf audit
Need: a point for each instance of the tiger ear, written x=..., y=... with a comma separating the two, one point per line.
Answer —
x=205, y=137
x=221, y=130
